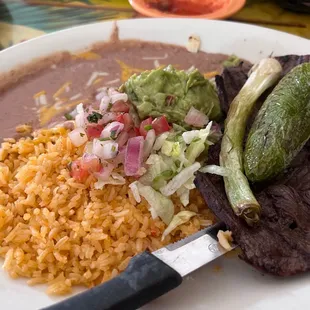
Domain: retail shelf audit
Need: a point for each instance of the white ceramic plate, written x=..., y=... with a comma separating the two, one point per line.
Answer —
x=227, y=283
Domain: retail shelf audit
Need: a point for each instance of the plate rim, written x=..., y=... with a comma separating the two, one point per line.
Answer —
x=120, y=22
x=142, y=20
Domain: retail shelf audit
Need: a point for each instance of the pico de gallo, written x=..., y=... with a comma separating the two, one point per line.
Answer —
x=163, y=157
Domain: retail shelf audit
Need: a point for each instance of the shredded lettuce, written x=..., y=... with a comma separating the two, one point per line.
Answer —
x=160, y=140
x=114, y=179
x=160, y=205
x=194, y=150
x=183, y=194
x=180, y=179
x=184, y=191
x=156, y=165
x=171, y=168
x=202, y=134
x=190, y=183
x=148, y=143
x=179, y=219
x=167, y=147
x=173, y=149
x=161, y=179
x=176, y=149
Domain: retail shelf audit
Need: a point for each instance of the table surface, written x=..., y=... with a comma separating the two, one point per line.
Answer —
x=24, y=19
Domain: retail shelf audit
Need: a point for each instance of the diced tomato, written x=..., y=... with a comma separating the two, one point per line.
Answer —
x=77, y=172
x=120, y=118
x=91, y=163
x=94, y=131
x=125, y=119
x=160, y=125
x=137, y=131
x=154, y=232
x=120, y=106
x=147, y=122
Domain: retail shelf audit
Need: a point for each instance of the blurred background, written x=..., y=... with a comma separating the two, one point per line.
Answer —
x=24, y=19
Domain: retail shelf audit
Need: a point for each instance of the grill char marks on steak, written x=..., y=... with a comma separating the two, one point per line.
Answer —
x=280, y=245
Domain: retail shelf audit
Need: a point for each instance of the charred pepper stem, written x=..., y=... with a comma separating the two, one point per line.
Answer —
x=262, y=76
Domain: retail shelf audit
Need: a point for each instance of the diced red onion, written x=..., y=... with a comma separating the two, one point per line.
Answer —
x=78, y=136
x=80, y=108
x=119, y=97
x=196, y=118
x=216, y=132
x=115, y=127
x=149, y=142
x=88, y=157
x=100, y=95
x=133, y=156
x=105, y=149
x=112, y=91
x=80, y=116
x=73, y=113
x=105, y=172
x=104, y=103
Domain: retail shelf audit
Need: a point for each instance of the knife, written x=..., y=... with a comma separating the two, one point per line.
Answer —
x=150, y=275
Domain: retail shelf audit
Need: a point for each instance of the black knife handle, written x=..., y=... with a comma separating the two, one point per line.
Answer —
x=145, y=279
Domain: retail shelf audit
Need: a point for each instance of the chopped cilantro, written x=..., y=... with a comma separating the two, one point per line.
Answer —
x=82, y=134
x=105, y=139
x=94, y=117
x=113, y=134
x=148, y=127
x=113, y=148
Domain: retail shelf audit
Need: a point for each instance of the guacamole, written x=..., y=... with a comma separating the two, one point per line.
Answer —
x=172, y=93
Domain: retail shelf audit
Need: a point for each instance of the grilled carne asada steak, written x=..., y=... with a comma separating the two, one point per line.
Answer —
x=280, y=244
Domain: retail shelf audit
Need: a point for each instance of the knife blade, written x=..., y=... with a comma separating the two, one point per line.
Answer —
x=150, y=275
x=193, y=252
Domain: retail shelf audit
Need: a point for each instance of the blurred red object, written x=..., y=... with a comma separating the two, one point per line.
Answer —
x=185, y=7
x=212, y=9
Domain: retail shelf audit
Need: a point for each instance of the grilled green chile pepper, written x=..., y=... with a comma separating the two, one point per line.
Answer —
x=281, y=127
